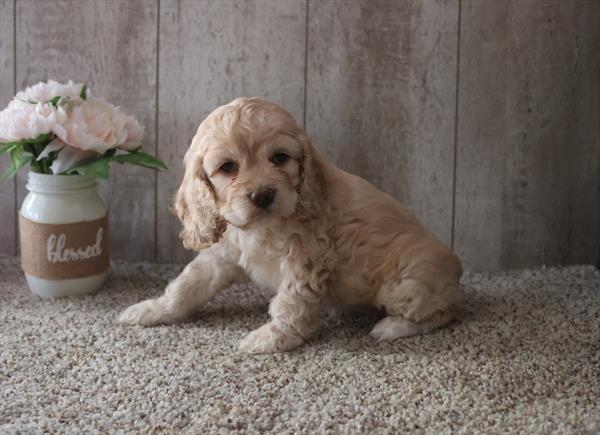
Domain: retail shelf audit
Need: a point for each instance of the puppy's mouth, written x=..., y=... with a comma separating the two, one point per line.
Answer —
x=259, y=213
x=250, y=216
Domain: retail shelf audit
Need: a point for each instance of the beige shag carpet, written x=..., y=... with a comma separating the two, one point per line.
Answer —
x=524, y=358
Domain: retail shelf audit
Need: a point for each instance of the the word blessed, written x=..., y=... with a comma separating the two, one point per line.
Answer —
x=57, y=253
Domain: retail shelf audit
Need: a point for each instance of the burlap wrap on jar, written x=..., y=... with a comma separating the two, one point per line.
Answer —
x=63, y=227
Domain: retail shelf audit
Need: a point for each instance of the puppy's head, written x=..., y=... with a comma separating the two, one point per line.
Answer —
x=249, y=163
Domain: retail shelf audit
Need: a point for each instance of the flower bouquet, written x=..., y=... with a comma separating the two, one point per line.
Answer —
x=68, y=137
x=63, y=129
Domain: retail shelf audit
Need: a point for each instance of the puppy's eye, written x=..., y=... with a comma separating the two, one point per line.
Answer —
x=279, y=158
x=228, y=167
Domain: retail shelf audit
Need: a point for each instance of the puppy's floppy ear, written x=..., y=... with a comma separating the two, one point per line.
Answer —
x=312, y=189
x=196, y=207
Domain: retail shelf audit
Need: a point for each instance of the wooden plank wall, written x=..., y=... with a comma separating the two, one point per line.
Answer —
x=528, y=149
x=8, y=203
x=481, y=116
x=385, y=77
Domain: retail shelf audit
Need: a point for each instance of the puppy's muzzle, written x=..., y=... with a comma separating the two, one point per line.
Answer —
x=263, y=197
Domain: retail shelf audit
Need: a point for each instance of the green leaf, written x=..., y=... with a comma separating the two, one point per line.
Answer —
x=83, y=93
x=30, y=148
x=98, y=168
x=19, y=158
x=25, y=152
x=4, y=148
x=36, y=166
x=45, y=137
x=140, y=158
x=9, y=147
x=16, y=154
x=54, y=101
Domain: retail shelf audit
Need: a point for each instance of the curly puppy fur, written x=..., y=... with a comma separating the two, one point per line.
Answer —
x=259, y=202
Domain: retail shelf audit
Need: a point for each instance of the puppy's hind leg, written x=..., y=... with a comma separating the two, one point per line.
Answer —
x=393, y=327
x=414, y=308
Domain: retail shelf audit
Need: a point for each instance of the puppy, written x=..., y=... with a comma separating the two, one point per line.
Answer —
x=260, y=203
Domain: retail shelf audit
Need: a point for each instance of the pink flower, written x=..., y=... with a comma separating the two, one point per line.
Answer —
x=26, y=121
x=44, y=92
x=93, y=125
x=135, y=133
x=30, y=114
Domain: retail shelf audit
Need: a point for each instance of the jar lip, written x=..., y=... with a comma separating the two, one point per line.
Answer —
x=37, y=182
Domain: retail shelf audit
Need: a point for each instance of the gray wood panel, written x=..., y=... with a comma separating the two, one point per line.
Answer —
x=210, y=53
x=113, y=47
x=528, y=134
x=381, y=97
x=380, y=101
x=7, y=188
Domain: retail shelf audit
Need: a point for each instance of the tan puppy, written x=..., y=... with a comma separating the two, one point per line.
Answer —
x=259, y=202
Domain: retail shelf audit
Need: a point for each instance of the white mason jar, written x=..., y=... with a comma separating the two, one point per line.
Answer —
x=64, y=235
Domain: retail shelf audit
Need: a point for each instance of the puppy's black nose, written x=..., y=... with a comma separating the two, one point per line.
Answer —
x=263, y=197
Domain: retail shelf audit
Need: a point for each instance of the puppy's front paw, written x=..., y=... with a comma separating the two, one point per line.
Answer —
x=146, y=313
x=268, y=339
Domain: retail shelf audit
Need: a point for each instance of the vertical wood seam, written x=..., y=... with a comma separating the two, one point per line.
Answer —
x=456, y=108
x=15, y=204
x=157, y=77
x=305, y=67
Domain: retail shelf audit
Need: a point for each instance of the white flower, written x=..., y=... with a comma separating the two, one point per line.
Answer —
x=30, y=114
x=26, y=121
x=68, y=157
x=89, y=125
x=44, y=92
x=55, y=145
x=135, y=133
x=94, y=125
